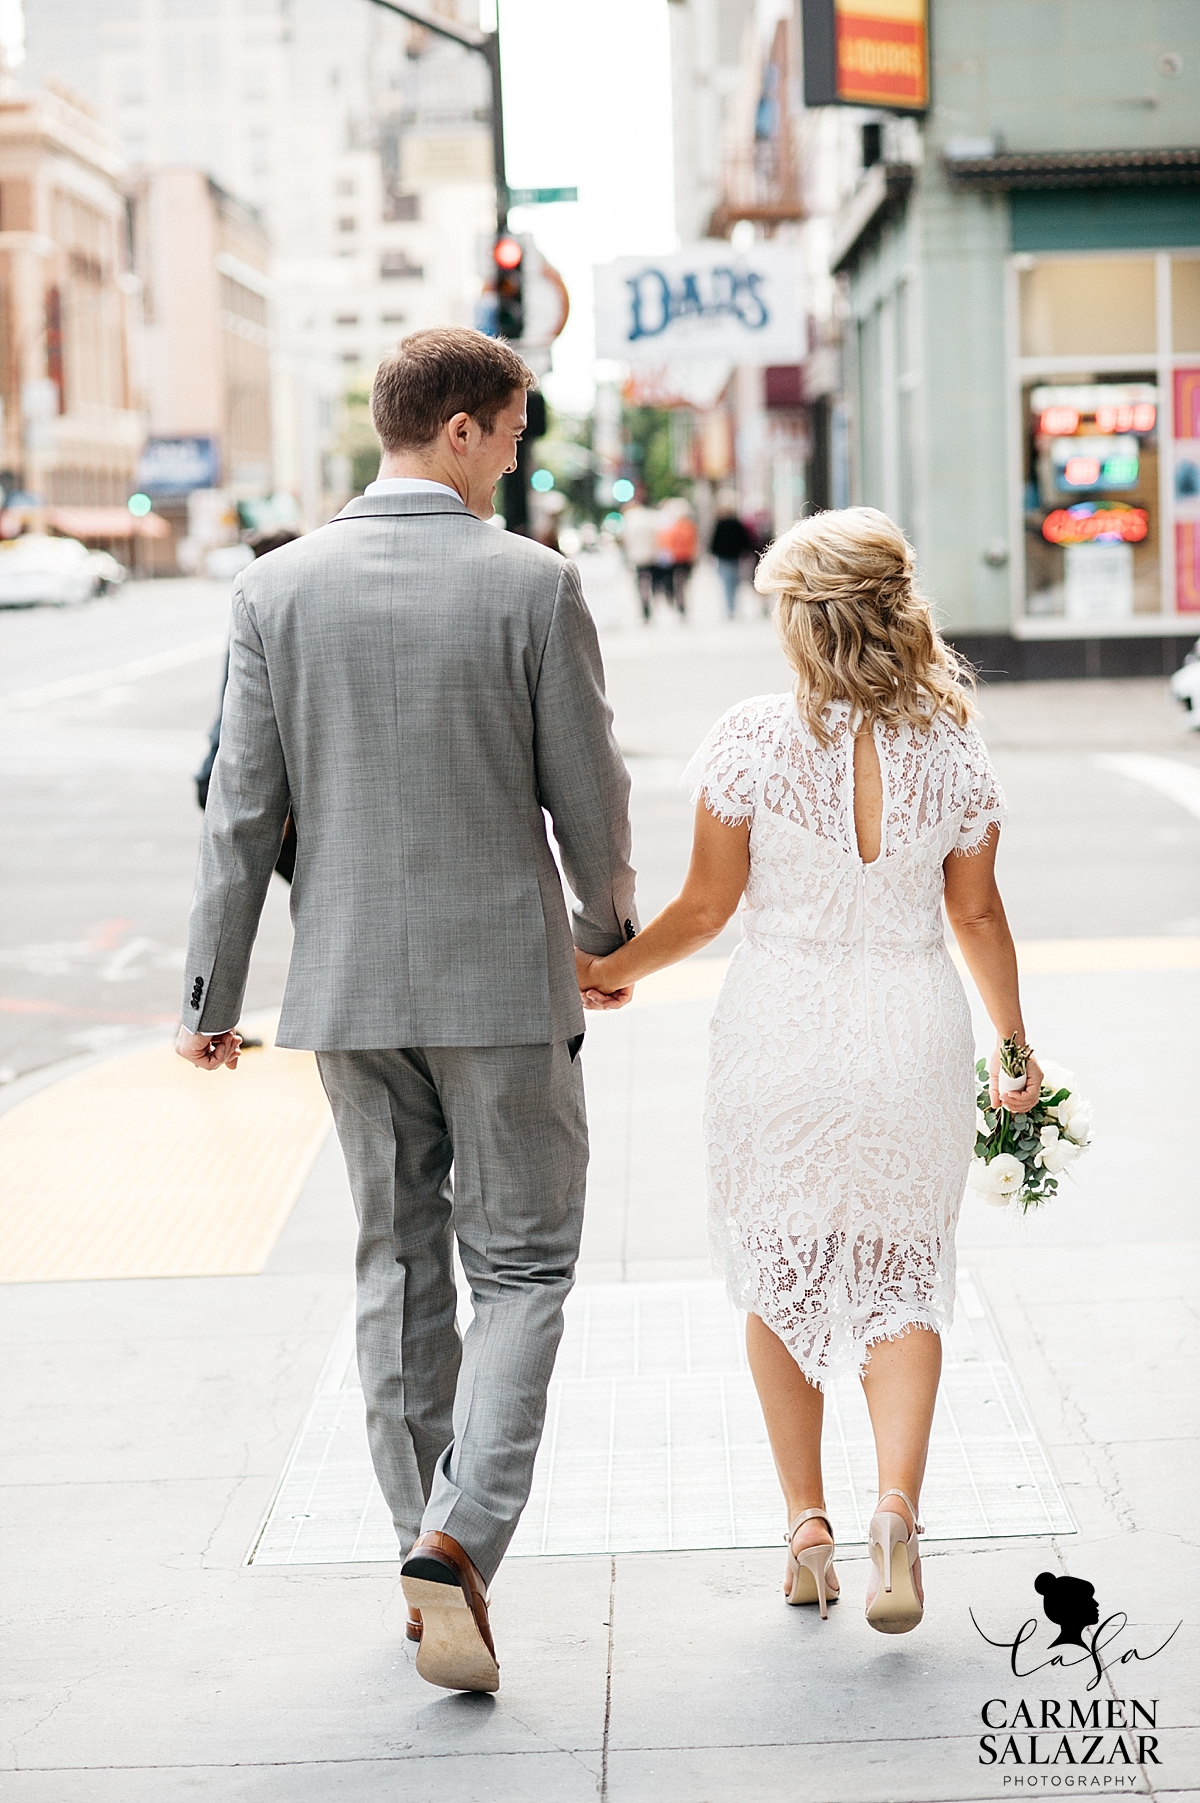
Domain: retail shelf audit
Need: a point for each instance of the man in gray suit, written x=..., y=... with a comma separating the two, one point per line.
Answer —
x=415, y=688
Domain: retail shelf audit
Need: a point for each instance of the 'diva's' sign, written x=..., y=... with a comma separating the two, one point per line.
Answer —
x=866, y=53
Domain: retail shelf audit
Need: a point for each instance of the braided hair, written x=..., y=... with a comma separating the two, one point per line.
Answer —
x=854, y=628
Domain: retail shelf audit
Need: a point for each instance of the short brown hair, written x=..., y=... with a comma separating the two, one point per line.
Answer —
x=431, y=376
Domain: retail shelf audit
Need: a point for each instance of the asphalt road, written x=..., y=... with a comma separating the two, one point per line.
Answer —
x=104, y=712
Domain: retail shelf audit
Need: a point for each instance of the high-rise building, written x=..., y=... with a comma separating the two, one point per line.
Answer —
x=71, y=423
x=363, y=142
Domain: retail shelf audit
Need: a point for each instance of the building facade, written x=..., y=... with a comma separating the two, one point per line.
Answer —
x=1021, y=297
x=363, y=144
x=71, y=409
x=203, y=261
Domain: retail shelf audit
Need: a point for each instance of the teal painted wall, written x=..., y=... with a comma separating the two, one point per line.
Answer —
x=1065, y=74
x=964, y=241
x=1034, y=75
x=1105, y=218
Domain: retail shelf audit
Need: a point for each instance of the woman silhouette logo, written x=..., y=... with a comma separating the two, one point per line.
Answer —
x=1070, y=1603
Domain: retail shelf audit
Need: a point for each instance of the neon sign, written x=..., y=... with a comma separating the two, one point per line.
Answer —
x=1139, y=418
x=1088, y=524
x=1059, y=422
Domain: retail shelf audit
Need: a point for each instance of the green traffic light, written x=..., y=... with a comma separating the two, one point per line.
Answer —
x=542, y=481
x=139, y=506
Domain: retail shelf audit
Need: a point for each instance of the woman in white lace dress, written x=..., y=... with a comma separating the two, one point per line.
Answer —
x=840, y=1112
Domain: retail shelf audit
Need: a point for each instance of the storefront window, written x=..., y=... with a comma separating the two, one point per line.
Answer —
x=1091, y=514
x=1090, y=305
x=1110, y=438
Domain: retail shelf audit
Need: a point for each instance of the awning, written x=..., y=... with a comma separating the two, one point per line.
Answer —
x=1076, y=169
x=84, y=522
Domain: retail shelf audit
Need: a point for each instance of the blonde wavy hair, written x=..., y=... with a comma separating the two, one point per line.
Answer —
x=855, y=629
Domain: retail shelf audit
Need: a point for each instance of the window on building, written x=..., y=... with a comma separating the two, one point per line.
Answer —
x=392, y=319
x=345, y=186
x=346, y=319
x=1107, y=381
x=347, y=223
x=401, y=207
x=397, y=265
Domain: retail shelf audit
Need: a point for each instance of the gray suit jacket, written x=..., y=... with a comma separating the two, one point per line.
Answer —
x=416, y=687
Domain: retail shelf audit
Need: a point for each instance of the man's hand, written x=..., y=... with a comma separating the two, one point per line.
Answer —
x=589, y=973
x=209, y=1051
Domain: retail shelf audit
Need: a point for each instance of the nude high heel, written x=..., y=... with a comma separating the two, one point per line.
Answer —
x=895, y=1607
x=809, y=1570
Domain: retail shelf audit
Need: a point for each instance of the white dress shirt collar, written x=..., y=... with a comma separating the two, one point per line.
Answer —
x=409, y=485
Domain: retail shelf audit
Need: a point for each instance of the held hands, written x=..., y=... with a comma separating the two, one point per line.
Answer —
x=596, y=993
x=1017, y=1101
x=209, y=1051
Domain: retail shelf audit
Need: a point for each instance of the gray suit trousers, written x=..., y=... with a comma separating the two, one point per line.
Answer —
x=454, y=1425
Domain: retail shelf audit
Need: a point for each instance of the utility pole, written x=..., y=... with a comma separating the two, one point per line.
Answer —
x=487, y=45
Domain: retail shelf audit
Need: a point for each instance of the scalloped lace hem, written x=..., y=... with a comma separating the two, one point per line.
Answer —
x=850, y=1358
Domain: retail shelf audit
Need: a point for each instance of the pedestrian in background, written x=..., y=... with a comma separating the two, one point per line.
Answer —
x=639, y=542
x=267, y=539
x=678, y=540
x=730, y=544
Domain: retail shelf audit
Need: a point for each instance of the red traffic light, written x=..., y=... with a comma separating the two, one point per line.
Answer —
x=507, y=253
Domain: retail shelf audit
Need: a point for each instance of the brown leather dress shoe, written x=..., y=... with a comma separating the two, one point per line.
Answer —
x=445, y=1592
x=412, y=1627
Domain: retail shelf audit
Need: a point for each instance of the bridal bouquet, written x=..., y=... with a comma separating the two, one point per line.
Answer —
x=1023, y=1155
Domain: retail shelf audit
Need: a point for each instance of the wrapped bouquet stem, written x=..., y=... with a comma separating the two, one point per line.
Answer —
x=1020, y=1157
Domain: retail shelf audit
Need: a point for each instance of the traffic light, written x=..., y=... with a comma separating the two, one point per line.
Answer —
x=509, y=257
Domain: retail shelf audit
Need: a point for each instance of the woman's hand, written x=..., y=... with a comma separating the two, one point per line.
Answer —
x=1017, y=1101
x=589, y=973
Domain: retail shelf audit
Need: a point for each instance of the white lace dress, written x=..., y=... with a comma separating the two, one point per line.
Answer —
x=840, y=1112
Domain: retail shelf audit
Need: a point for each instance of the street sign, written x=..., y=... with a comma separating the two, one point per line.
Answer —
x=540, y=197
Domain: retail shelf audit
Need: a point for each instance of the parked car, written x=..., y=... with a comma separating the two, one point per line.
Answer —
x=54, y=571
x=108, y=573
x=1185, y=686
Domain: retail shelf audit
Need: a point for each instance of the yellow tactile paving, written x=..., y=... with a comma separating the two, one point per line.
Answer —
x=144, y=1167
x=1060, y=957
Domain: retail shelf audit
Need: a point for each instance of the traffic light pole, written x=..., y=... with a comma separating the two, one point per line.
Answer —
x=487, y=45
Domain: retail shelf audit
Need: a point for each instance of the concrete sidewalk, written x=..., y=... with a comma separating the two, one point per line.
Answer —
x=150, y=1422
x=148, y=1419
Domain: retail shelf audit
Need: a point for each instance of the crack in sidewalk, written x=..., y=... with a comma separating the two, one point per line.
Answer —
x=612, y=1602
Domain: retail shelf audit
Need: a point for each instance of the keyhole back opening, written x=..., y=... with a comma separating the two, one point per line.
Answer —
x=868, y=796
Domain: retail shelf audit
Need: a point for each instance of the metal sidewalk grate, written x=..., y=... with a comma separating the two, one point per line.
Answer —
x=654, y=1442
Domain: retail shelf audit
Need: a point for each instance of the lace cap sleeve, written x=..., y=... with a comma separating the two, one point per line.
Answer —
x=724, y=771
x=980, y=786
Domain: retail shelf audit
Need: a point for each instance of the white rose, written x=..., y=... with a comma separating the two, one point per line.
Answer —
x=1056, y=1076
x=981, y=1125
x=998, y=1181
x=1075, y=1119
x=1056, y=1154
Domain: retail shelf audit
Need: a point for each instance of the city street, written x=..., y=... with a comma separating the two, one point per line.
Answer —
x=206, y=1606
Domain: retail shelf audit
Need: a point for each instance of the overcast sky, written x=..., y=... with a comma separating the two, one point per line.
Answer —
x=587, y=103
